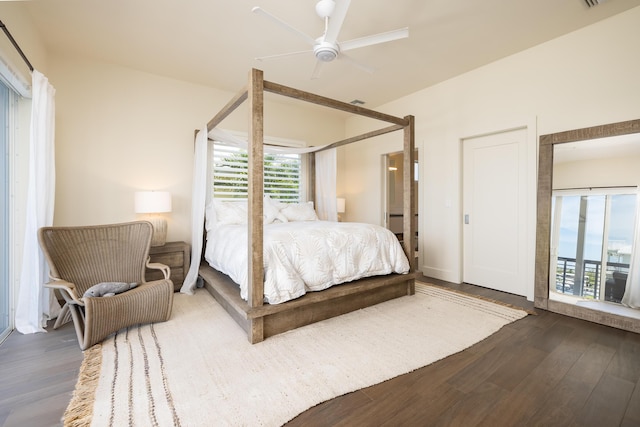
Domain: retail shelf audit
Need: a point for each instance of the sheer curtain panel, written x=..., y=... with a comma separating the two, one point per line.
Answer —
x=631, y=296
x=36, y=304
x=198, y=204
x=326, y=204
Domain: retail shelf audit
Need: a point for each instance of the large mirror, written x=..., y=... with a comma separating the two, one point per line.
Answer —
x=586, y=226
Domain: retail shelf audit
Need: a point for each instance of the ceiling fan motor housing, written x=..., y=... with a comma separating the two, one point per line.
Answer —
x=325, y=51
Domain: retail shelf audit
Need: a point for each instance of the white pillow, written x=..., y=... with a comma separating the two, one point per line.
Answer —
x=299, y=212
x=271, y=211
x=231, y=213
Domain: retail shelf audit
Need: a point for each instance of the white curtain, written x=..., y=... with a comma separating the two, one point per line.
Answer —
x=198, y=205
x=37, y=304
x=631, y=296
x=326, y=206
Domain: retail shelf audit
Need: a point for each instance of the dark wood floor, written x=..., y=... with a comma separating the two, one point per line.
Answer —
x=543, y=370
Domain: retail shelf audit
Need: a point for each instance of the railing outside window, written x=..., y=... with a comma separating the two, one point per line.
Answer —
x=591, y=287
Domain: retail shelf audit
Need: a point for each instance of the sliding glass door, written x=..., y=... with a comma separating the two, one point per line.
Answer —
x=5, y=288
x=591, y=239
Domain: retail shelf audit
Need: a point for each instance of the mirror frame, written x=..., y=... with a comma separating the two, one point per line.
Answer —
x=543, y=229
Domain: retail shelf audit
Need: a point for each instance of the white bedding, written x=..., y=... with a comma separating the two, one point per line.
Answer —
x=306, y=256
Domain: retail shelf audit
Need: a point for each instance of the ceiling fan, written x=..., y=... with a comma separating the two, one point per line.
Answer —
x=326, y=48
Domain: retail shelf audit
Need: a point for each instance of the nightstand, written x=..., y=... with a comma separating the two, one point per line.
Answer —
x=177, y=255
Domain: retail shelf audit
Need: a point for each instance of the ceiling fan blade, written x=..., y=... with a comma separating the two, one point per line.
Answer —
x=389, y=36
x=358, y=64
x=336, y=20
x=316, y=70
x=283, y=55
x=284, y=25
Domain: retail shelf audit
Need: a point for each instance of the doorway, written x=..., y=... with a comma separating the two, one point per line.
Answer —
x=393, y=165
x=494, y=211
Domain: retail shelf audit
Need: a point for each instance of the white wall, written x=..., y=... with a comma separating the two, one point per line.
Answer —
x=607, y=172
x=119, y=130
x=585, y=78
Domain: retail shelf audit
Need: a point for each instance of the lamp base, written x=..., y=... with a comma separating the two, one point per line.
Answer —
x=159, y=237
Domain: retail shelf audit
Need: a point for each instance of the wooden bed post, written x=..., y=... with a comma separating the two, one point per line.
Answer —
x=255, y=277
x=408, y=199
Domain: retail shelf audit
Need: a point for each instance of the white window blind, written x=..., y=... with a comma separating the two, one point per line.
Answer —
x=282, y=174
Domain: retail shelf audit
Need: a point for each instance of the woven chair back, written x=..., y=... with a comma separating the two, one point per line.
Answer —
x=88, y=255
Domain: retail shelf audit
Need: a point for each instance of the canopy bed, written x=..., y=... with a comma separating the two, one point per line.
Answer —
x=259, y=319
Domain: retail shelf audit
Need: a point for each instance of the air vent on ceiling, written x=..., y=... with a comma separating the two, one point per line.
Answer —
x=592, y=3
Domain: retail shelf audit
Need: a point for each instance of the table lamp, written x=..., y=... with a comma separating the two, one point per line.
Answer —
x=340, y=204
x=154, y=203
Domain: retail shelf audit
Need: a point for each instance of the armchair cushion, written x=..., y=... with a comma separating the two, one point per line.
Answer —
x=108, y=289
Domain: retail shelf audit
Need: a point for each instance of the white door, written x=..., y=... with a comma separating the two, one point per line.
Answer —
x=494, y=211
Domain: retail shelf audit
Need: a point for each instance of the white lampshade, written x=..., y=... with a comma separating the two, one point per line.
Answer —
x=340, y=203
x=152, y=201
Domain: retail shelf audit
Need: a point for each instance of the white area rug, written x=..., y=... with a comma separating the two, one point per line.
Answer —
x=198, y=369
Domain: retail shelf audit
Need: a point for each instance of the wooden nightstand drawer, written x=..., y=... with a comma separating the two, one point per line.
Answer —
x=174, y=254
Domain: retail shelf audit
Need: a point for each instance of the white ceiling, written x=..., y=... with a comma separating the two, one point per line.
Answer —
x=215, y=42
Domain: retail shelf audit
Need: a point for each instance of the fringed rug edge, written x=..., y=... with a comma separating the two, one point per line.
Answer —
x=79, y=412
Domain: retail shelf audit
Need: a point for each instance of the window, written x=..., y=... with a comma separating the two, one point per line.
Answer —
x=592, y=237
x=282, y=174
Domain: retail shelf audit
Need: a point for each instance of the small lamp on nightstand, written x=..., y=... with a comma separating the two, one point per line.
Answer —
x=154, y=203
x=340, y=204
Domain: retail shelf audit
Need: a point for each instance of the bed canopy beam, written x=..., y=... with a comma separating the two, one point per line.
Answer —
x=363, y=136
x=234, y=103
x=331, y=103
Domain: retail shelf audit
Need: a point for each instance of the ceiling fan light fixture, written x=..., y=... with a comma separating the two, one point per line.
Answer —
x=324, y=8
x=326, y=55
x=325, y=52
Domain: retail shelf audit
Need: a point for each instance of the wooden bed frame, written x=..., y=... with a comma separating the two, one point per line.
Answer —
x=261, y=320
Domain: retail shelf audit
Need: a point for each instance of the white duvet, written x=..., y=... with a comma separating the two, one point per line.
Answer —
x=306, y=256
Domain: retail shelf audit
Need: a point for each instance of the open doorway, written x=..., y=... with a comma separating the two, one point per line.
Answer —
x=394, y=188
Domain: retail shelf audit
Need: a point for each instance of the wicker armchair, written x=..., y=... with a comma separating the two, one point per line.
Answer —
x=80, y=257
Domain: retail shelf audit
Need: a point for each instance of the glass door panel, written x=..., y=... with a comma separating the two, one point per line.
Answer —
x=591, y=260
x=5, y=294
x=592, y=236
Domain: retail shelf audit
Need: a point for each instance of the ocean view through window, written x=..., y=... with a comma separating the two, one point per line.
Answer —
x=591, y=241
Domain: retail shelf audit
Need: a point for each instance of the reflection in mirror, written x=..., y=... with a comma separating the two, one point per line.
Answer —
x=593, y=215
x=589, y=232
